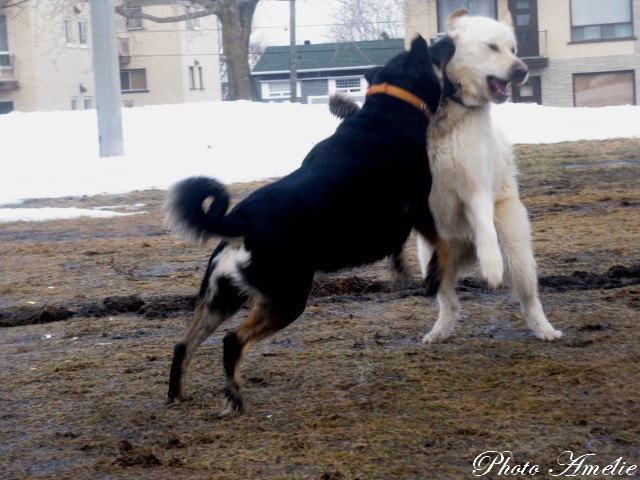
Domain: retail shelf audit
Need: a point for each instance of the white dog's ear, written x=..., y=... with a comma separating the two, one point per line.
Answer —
x=505, y=17
x=452, y=19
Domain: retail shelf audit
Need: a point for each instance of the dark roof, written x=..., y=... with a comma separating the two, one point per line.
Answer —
x=330, y=56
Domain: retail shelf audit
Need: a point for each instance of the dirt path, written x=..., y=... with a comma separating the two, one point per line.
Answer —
x=347, y=391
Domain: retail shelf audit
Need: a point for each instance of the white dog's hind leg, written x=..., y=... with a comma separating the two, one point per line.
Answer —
x=425, y=252
x=480, y=213
x=515, y=238
x=449, y=306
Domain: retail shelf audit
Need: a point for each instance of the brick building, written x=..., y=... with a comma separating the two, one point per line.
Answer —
x=580, y=52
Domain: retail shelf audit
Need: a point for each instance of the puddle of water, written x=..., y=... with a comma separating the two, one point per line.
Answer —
x=620, y=163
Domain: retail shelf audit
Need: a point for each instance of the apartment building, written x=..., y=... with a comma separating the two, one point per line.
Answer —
x=46, y=58
x=583, y=53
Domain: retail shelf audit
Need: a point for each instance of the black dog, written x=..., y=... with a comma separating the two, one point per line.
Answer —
x=344, y=106
x=353, y=201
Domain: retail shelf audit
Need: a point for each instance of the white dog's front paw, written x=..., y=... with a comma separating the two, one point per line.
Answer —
x=492, y=270
x=435, y=336
x=549, y=334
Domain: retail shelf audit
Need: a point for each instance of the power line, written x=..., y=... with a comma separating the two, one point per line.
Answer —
x=280, y=53
x=324, y=25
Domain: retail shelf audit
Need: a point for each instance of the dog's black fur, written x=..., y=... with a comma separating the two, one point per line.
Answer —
x=343, y=106
x=353, y=201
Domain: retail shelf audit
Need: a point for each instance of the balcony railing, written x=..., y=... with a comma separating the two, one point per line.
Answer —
x=532, y=48
x=8, y=78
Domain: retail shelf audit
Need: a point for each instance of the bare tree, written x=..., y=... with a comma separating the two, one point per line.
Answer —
x=235, y=17
x=256, y=49
x=6, y=4
x=358, y=20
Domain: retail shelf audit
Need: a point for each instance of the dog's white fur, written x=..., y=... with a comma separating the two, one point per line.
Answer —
x=474, y=197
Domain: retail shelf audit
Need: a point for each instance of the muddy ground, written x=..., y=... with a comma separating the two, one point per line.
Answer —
x=90, y=310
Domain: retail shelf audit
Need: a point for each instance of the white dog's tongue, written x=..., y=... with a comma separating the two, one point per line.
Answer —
x=499, y=86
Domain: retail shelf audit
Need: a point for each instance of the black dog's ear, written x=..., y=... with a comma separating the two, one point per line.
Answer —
x=442, y=51
x=420, y=49
x=419, y=44
x=370, y=74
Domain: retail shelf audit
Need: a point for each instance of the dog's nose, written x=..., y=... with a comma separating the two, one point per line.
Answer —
x=519, y=73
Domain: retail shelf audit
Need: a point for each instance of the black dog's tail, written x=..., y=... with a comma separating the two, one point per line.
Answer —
x=186, y=214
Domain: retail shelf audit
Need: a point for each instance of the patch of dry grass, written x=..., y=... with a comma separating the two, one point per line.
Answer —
x=345, y=392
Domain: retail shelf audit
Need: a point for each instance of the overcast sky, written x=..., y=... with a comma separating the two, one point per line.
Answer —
x=271, y=21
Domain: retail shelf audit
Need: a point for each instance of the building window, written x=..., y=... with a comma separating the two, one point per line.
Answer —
x=134, y=20
x=594, y=20
x=5, y=57
x=68, y=31
x=485, y=8
x=74, y=103
x=82, y=32
x=526, y=90
x=87, y=103
x=279, y=89
x=192, y=78
x=195, y=77
x=6, y=107
x=604, y=89
x=133, y=80
x=529, y=92
x=200, y=77
x=348, y=85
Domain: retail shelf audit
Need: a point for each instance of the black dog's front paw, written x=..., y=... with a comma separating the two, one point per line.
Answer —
x=233, y=402
x=179, y=398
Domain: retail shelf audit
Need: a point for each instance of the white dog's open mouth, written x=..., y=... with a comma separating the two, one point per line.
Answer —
x=498, y=89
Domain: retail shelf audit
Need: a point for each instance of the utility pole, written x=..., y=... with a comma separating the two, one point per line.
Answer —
x=106, y=72
x=293, y=76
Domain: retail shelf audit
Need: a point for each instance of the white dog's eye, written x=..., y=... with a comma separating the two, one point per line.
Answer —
x=494, y=47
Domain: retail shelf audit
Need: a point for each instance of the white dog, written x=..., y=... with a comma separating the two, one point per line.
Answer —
x=474, y=197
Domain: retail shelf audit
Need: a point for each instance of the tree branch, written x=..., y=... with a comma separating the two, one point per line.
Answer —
x=125, y=11
x=235, y=16
x=10, y=3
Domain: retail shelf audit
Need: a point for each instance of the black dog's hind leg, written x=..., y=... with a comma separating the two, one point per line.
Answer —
x=263, y=320
x=435, y=270
x=424, y=224
x=212, y=309
x=402, y=277
x=398, y=263
x=259, y=324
